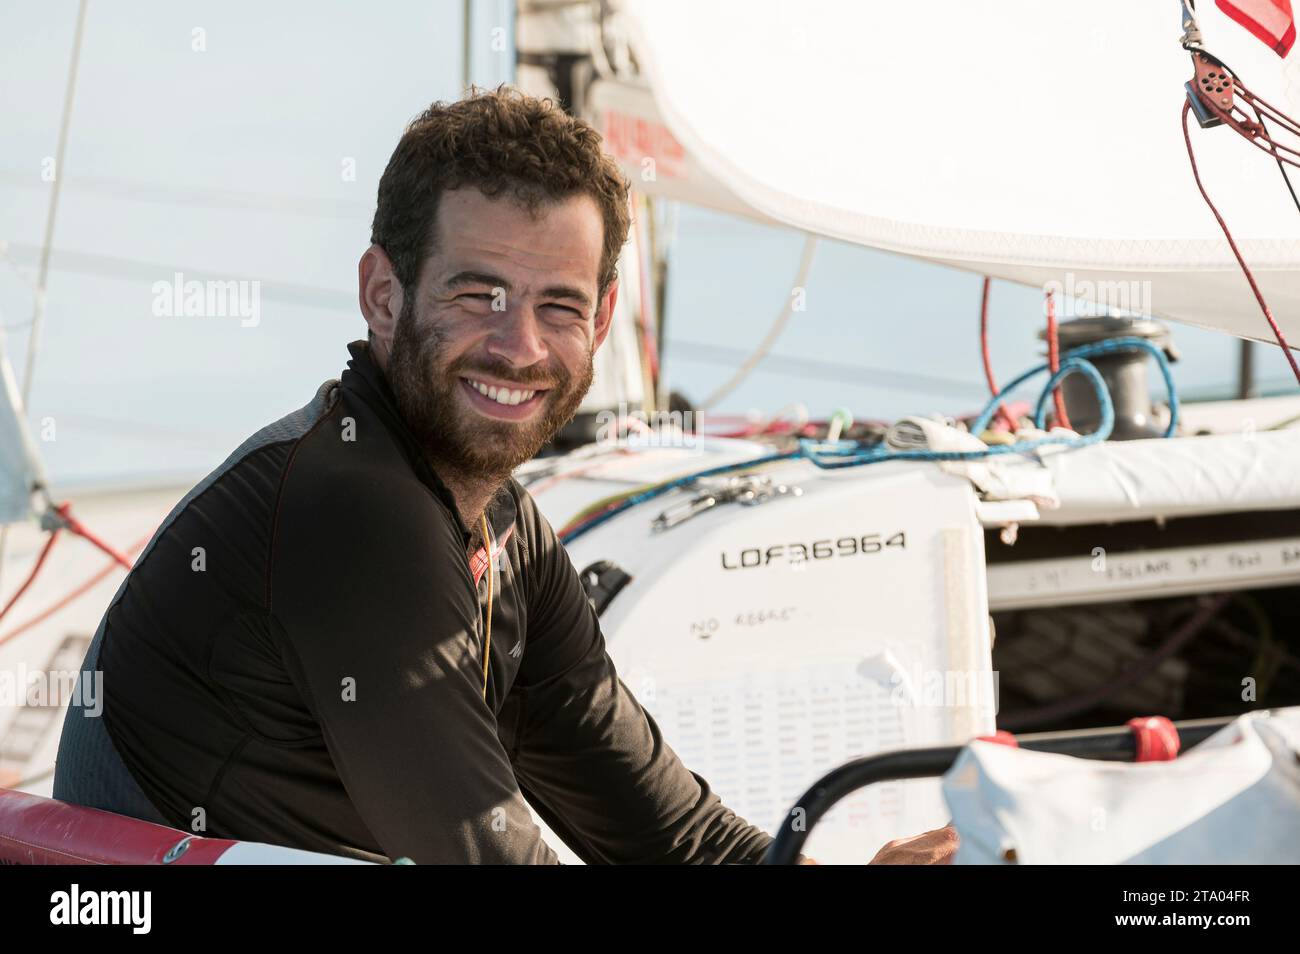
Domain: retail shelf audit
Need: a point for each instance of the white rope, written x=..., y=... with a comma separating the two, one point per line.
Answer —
x=38, y=305
x=774, y=332
x=38, y=297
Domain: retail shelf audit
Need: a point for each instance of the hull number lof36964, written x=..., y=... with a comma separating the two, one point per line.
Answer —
x=800, y=554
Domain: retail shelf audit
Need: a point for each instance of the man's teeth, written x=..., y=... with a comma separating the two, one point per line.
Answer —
x=501, y=395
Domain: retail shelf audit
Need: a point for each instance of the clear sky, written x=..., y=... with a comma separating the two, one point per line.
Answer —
x=231, y=162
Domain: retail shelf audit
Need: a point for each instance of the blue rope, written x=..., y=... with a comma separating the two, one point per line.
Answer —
x=832, y=455
x=981, y=423
x=821, y=454
x=661, y=489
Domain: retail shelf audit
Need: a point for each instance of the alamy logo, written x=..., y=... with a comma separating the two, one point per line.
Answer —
x=102, y=907
x=1085, y=298
x=211, y=299
x=656, y=429
x=52, y=687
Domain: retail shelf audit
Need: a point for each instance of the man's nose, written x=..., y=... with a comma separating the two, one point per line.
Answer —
x=517, y=337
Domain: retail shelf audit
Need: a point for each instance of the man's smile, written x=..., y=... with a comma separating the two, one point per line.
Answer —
x=504, y=401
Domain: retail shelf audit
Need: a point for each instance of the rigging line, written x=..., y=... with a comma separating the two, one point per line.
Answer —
x=136, y=430
x=1258, y=104
x=466, y=46
x=135, y=269
x=1261, y=140
x=1053, y=361
x=33, y=573
x=1281, y=166
x=1250, y=277
x=1262, y=106
x=854, y=375
x=66, y=521
x=984, y=352
x=1258, y=140
x=80, y=529
x=203, y=197
x=38, y=307
x=1248, y=95
x=76, y=593
x=774, y=332
x=38, y=298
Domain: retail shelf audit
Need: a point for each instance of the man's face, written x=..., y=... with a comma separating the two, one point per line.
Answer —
x=492, y=354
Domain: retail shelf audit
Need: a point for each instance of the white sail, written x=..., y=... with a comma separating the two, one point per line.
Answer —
x=1035, y=142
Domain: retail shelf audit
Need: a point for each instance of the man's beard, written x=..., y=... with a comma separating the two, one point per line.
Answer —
x=457, y=438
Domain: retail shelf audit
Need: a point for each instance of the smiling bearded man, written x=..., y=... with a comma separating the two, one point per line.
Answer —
x=425, y=383
x=358, y=635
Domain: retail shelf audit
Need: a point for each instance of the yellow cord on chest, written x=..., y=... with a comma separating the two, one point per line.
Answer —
x=487, y=644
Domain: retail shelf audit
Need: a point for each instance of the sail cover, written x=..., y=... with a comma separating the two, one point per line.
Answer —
x=1232, y=800
x=1035, y=142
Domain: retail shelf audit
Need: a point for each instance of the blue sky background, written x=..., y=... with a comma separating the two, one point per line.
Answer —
x=228, y=163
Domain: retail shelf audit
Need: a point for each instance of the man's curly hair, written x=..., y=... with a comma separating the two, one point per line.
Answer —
x=500, y=141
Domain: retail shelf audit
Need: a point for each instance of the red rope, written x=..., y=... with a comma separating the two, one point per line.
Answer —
x=31, y=577
x=988, y=364
x=1250, y=277
x=1054, y=361
x=72, y=525
x=79, y=528
x=81, y=590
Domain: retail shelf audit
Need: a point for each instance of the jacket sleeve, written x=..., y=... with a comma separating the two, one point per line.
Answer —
x=387, y=655
x=591, y=760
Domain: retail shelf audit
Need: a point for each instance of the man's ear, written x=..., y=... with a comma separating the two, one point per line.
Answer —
x=380, y=296
x=605, y=314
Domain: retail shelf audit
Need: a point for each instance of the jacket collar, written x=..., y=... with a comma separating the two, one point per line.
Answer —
x=364, y=378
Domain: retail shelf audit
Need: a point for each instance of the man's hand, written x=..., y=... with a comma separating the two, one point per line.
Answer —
x=936, y=847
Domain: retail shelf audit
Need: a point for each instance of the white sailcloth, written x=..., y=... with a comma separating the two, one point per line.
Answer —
x=1234, y=799
x=1034, y=142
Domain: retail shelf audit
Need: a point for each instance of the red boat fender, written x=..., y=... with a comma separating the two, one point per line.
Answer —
x=42, y=831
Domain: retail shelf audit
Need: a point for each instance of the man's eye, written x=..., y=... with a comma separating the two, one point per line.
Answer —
x=565, y=310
